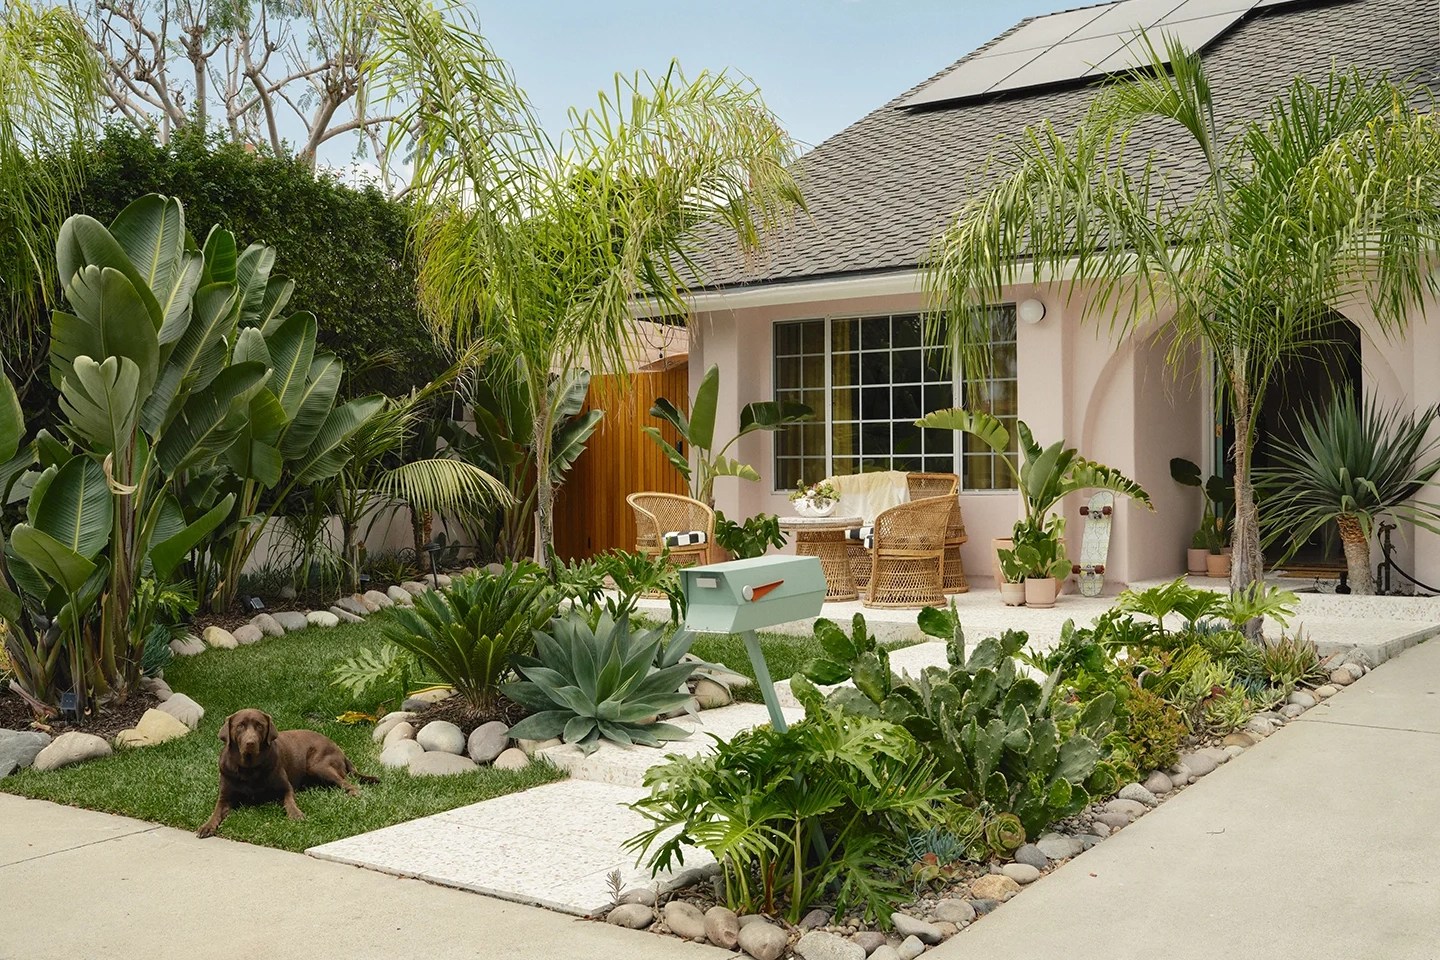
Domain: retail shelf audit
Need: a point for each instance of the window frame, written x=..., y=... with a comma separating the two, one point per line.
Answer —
x=956, y=384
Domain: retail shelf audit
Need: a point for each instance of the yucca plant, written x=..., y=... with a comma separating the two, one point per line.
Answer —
x=1353, y=462
x=588, y=684
x=470, y=635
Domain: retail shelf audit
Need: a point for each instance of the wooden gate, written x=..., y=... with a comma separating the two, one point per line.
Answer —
x=591, y=515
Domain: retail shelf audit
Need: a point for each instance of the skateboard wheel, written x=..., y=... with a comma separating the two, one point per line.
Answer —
x=1075, y=568
x=1100, y=569
x=1105, y=511
x=1084, y=511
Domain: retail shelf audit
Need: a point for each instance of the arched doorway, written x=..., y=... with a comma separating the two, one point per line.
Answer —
x=1307, y=380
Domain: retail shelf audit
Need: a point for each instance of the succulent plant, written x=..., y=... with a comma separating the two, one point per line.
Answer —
x=591, y=683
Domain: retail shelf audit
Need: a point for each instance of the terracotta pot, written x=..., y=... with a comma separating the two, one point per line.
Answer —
x=1041, y=591
x=1218, y=565
x=1197, y=561
x=1013, y=594
x=1227, y=550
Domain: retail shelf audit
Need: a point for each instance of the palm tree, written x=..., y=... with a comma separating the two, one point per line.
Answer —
x=1352, y=463
x=540, y=247
x=1331, y=196
x=49, y=95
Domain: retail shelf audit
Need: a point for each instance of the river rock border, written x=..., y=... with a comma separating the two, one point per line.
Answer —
x=685, y=907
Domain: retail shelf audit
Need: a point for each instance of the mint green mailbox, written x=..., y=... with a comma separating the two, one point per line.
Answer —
x=744, y=595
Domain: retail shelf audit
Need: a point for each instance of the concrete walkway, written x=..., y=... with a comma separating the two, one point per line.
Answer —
x=80, y=885
x=1322, y=841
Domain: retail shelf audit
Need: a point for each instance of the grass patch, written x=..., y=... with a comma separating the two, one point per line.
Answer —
x=784, y=653
x=288, y=677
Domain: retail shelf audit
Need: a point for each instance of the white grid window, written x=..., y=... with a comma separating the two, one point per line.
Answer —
x=869, y=379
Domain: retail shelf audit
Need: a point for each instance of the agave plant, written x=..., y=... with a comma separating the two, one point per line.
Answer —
x=1352, y=463
x=588, y=684
x=471, y=635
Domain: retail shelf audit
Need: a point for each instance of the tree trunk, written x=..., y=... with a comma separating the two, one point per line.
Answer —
x=1357, y=555
x=544, y=494
x=1247, y=561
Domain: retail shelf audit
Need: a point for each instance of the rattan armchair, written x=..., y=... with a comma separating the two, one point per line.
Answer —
x=923, y=485
x=659, y=514
x=907, y=556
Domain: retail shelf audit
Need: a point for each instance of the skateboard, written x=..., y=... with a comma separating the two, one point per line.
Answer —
x=1095, y=543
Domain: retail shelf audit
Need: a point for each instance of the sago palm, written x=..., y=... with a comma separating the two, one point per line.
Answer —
x=1331, y=196
x=1353, y=463
x=541, y=247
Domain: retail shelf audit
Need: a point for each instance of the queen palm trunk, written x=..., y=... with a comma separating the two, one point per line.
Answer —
x=1357, y=554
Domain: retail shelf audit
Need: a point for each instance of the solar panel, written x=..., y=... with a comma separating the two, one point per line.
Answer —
x=1084, y=44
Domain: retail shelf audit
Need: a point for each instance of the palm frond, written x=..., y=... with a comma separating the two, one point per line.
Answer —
x=441, y=484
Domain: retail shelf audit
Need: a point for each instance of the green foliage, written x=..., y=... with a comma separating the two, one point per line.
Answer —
x=753, y=538
x=345, y=249
x=589, y=683
x=368, y=674
x=637, y=575
x=1003, y=741
x=1218, y=514
x=1352, y=463
x=698, y=433
x=1153, y=729
x=821, y=811
x=1196, y=604
x=471, y=634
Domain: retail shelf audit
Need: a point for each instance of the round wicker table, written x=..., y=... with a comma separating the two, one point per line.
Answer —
x=824, y=537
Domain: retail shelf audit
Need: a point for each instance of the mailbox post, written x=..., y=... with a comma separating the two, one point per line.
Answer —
x=744, y=595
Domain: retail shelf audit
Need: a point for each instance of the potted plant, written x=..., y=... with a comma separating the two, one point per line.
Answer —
x=753, y=538
x=1039, y=558
x=1219, y=504
x=1044, y=476
x=1217, y=562
x=1012, y=578
x=818, y=500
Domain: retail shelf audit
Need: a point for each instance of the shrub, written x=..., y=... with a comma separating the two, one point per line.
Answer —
x=592, y=683
x=824, y=809
x=749, y=539
x=1152, y=729
x=470, y=635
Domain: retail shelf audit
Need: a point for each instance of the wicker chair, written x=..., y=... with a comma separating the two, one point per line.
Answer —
x=923, y=485
x=908, y=554
x=659, y=514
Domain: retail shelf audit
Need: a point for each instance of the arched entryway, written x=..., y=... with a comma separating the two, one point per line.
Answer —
x=1305, y=381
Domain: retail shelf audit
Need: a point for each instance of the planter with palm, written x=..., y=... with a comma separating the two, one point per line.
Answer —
x=1212, y=537
x=1352, y=463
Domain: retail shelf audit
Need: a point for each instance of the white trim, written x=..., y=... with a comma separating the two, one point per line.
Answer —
x=801, y=291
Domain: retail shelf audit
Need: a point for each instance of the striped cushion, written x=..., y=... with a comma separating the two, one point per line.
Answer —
x=684, y=538
x=866, y=536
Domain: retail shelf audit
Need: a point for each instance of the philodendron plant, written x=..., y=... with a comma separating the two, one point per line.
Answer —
x=1044, y=476
x=698, y=431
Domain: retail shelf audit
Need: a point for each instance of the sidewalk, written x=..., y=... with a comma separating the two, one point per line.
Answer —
x=80, y=885
x=1322, y=841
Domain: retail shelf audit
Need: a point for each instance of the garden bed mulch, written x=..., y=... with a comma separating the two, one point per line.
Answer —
x=457, y=711
x=15, y=714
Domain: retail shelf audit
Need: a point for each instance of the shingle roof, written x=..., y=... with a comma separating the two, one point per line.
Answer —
x=881, y=189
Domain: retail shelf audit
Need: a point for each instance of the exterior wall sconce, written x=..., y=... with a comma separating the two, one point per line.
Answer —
x=1031, y=311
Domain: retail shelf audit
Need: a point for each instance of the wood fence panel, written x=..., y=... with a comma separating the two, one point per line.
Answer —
x=591, y=515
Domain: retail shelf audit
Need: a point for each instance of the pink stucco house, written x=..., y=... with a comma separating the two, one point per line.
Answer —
x=829, y=315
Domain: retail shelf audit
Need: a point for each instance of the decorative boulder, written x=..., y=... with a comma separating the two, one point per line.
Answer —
x=488, y=741
x=291, y=620
x=247, y=633
x=345, y=616
x=219, y=638
x=187, y=646
x=322, y=618
x=267, y=625
x=388, y=721
x=400, y=595
x=400, y=753
x=439, y=764
x=992, y=886
x=400, y=731
x=512, y=759
x=157, y=688
x=381, y=600
x=71, y=748
x=365, y=603
x=154, y=727
x=415, y=587
x=442, y=580
x=762, y=940
x=352, y=606
x=18, y=749
x=184, y=709
x=443, y=736
x=711, y=695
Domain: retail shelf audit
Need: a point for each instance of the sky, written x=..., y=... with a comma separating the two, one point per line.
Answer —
x=821, y=64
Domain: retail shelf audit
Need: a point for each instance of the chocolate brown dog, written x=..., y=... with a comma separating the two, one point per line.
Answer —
x=262, y=765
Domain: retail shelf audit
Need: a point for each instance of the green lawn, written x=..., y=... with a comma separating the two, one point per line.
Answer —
x=288, y=677
x=784, y=655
